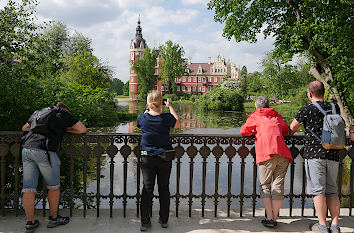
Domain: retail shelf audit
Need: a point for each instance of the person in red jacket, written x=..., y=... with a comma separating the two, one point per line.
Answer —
x=272, y=155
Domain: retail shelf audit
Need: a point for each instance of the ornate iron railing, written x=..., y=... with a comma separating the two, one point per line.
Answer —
x=86, y=157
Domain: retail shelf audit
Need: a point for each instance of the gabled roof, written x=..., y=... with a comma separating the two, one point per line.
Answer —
x=193, y=68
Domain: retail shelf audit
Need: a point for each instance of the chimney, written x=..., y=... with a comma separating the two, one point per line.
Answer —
x=209, y=60
x=189, y=60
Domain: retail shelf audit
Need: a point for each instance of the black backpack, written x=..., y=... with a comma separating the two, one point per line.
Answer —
x=44, y=120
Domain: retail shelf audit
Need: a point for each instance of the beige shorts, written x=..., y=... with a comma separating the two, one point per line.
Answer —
x=272, y=176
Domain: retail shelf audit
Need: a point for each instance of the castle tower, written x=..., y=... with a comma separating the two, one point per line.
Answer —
x=137, y=46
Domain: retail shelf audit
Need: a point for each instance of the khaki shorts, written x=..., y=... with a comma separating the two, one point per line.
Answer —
x=271, y=177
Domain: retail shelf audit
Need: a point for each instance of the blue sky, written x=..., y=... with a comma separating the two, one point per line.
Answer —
x=111, y=25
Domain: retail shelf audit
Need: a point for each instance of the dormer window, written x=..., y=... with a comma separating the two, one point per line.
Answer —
x=200, y=70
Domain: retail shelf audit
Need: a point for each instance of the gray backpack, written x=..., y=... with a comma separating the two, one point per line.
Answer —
x=333, y=132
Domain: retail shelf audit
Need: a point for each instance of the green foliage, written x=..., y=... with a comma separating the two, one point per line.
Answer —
x=172, y=97
x=194, y=97
x=117, y=86
x=254, y=83
x=172, y=64
x=145, y=69
x=40, y=68
x=221, y=99
x=231, y=84
x=84, y=68
x=321, y=30
x=243, y=72
x=126, y=89
x=300, y=98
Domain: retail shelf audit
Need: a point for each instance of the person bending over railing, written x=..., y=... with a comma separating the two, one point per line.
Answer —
x=272, y=155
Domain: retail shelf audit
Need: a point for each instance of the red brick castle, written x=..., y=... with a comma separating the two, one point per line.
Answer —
x=199, y=78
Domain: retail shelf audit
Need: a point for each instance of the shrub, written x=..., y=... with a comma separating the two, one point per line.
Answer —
x=221, y=99
x=194, y=97
x=172, y=97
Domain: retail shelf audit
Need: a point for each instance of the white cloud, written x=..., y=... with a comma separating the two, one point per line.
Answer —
x=193, y=2
x=126, y=4
x=111, y=25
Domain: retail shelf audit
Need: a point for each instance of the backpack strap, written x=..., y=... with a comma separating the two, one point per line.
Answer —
x=333, y=108
x=319, y=108
x=315, y=135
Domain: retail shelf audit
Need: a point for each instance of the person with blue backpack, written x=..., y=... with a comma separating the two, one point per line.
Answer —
x=44, y=131
x=324, y=136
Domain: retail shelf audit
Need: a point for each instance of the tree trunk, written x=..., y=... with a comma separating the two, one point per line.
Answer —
x=348, y=118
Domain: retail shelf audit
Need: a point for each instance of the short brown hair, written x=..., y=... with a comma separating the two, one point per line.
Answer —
x=317, y=88
x=63, y=106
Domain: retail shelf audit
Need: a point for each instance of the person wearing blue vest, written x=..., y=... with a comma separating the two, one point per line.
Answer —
x=321, y=164
x=155, y=128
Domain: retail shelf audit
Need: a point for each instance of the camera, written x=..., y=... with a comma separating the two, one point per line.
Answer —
x=164, y=101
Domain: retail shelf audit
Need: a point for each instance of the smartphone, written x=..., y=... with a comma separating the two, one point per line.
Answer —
x=164, y=101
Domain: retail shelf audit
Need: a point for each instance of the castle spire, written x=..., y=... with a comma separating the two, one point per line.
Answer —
x=138, y=29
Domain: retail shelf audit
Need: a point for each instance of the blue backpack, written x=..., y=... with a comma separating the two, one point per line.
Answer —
x=333, y=132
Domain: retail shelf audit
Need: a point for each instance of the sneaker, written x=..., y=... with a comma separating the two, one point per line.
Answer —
x=58, y=221
x=268, y=223
x=318, y=228
x=31, y=226
x=335, y=229
x=163, y=225
x=145, y=226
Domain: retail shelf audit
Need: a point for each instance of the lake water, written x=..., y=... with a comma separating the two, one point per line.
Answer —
x=192, y=122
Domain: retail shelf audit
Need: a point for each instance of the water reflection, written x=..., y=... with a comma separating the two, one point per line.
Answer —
x=193, y=122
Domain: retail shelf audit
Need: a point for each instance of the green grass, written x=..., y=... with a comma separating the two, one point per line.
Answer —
x=122, y=97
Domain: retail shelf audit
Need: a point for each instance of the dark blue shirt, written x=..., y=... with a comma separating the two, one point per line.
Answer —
x=155, y=131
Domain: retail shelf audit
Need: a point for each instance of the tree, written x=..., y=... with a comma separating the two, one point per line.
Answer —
x=145, y=69
x=243, y=84
x=231, y=84
x=172, y=64
x=85, y=69
x=126, y=89
x=255, y=84
x=244, y=72
x=117, y=86
x=322, y=30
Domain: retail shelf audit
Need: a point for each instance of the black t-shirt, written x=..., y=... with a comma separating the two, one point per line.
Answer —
x=63, y=120
x=312, y=119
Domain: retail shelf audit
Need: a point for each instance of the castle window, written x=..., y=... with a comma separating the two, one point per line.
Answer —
x=178, y=88
x=203, y=89
x=209, y=79
x=131, y=87
x=194, y=89
x=183, y=79
x=216, y=79
x=189, y=79
x=189, y=88
x=194, y=79
x=183, y=88
x=209, y=88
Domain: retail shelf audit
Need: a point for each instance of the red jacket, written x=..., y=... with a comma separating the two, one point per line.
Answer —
x=269, y=128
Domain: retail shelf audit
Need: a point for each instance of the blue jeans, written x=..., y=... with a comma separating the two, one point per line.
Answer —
x=35, y=161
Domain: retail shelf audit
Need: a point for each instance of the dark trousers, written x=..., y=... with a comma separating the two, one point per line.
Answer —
x=151, y=167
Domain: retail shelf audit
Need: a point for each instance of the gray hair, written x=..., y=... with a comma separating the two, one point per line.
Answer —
x=262, y=102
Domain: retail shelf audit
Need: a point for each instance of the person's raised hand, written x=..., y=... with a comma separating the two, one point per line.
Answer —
x=168, y=104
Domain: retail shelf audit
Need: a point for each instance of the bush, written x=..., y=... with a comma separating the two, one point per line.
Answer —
x=194, y=97
x=172, y=97
x=300, y=98
x=221, y=99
